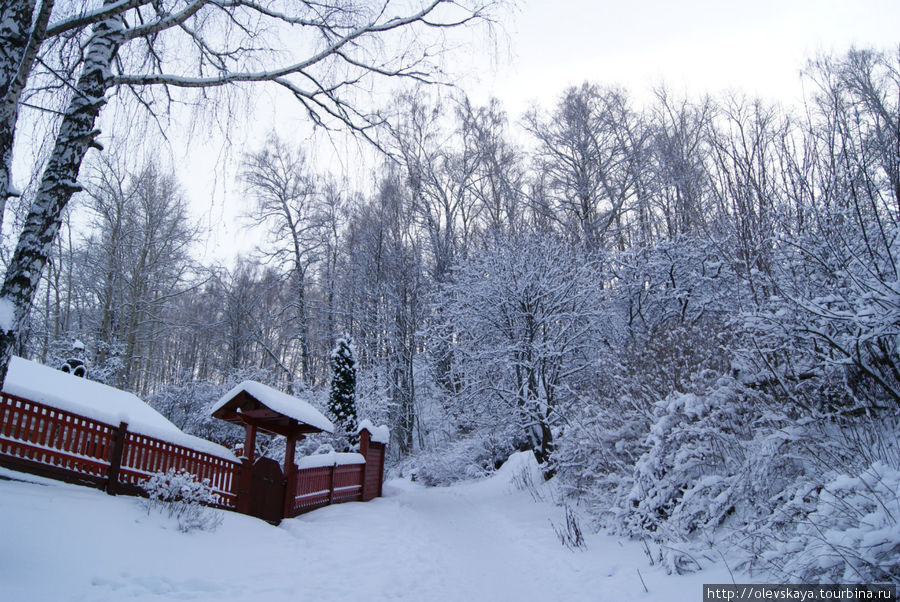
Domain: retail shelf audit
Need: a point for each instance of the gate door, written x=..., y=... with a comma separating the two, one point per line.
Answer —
x=267, y=490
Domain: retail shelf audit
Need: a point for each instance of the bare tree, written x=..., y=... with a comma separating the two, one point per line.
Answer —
x=680, y=152
x=440, y=175
x=141, y=46
x=592, y=151
x=286, y=201
x=335, y=201
x=381, y=294
x=499, y=175
x=746, y=188
x=138, y=261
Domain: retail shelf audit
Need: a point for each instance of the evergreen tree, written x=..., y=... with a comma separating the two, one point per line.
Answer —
x=342, y=400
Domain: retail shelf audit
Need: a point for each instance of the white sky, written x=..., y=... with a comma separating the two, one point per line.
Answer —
x=544, y=46
x=699, y=46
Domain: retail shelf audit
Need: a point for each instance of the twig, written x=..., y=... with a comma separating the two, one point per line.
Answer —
x=646, y=591
x=726, y=566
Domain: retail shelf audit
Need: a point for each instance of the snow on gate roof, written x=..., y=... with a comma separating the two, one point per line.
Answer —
x=55, y=388
x=286, y=415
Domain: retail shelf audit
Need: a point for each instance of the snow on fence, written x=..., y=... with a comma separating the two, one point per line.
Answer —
x=59, y=444
x=55, y=443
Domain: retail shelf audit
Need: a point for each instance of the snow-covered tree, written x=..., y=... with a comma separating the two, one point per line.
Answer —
x=136, y=262
x=342, y=397
x=380, y=300
x=520, y=320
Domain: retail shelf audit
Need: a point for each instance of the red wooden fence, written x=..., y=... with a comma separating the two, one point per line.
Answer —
x=324, y=485
x=144, y=456
x=44, y=440
x=50, y=442
x=53, y=442
x=313, y=488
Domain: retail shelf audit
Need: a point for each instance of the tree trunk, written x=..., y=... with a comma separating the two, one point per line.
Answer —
x=18, y=51
x=58, y=183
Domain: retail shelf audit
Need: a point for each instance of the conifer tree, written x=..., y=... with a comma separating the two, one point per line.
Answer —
x=342, y=400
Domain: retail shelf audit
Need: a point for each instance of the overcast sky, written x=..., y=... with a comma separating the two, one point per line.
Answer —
x=757, y=46
x=544, y=46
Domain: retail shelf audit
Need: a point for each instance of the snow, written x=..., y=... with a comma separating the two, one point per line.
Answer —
x=330, y=459
x=519, y=465
x=483, y=540
x=7, y=315
x=379, y=434
x=280, y=402
x=34, y=381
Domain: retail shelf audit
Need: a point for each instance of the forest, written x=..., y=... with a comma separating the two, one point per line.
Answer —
x=688, y=308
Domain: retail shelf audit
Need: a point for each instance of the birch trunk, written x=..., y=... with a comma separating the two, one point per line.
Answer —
x=58, y=183
x=19, y=43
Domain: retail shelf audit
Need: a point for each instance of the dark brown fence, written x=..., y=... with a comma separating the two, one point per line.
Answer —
x=43, y=440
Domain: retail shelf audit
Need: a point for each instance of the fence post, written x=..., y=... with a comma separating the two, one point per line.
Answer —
x=382, y=448
x=331, y=485
x=364, y=437
x=290, y=478
x=115, y=460
x=244, y=486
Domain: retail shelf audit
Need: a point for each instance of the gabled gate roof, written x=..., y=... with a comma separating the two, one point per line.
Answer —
x=270, y=410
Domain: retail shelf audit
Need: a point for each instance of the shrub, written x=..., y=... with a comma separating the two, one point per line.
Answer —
x=179, y=495
x=853, y=535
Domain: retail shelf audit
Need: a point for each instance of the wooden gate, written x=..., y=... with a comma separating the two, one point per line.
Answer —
x=267, y=490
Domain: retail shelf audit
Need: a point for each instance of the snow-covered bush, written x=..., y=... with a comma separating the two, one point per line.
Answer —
x=186, y=403
x=103, y=360
x=180, y=495
x=596, y=452
x=842, y=521
x=686, y=479
x=853, y=535
x=469, y=458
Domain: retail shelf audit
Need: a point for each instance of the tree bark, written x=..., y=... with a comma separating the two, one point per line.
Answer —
x=19, y=43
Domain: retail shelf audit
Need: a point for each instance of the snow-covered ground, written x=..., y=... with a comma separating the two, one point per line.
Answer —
x=484, y=540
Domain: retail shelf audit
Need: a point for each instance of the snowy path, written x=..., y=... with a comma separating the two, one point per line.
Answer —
x=475, y=541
